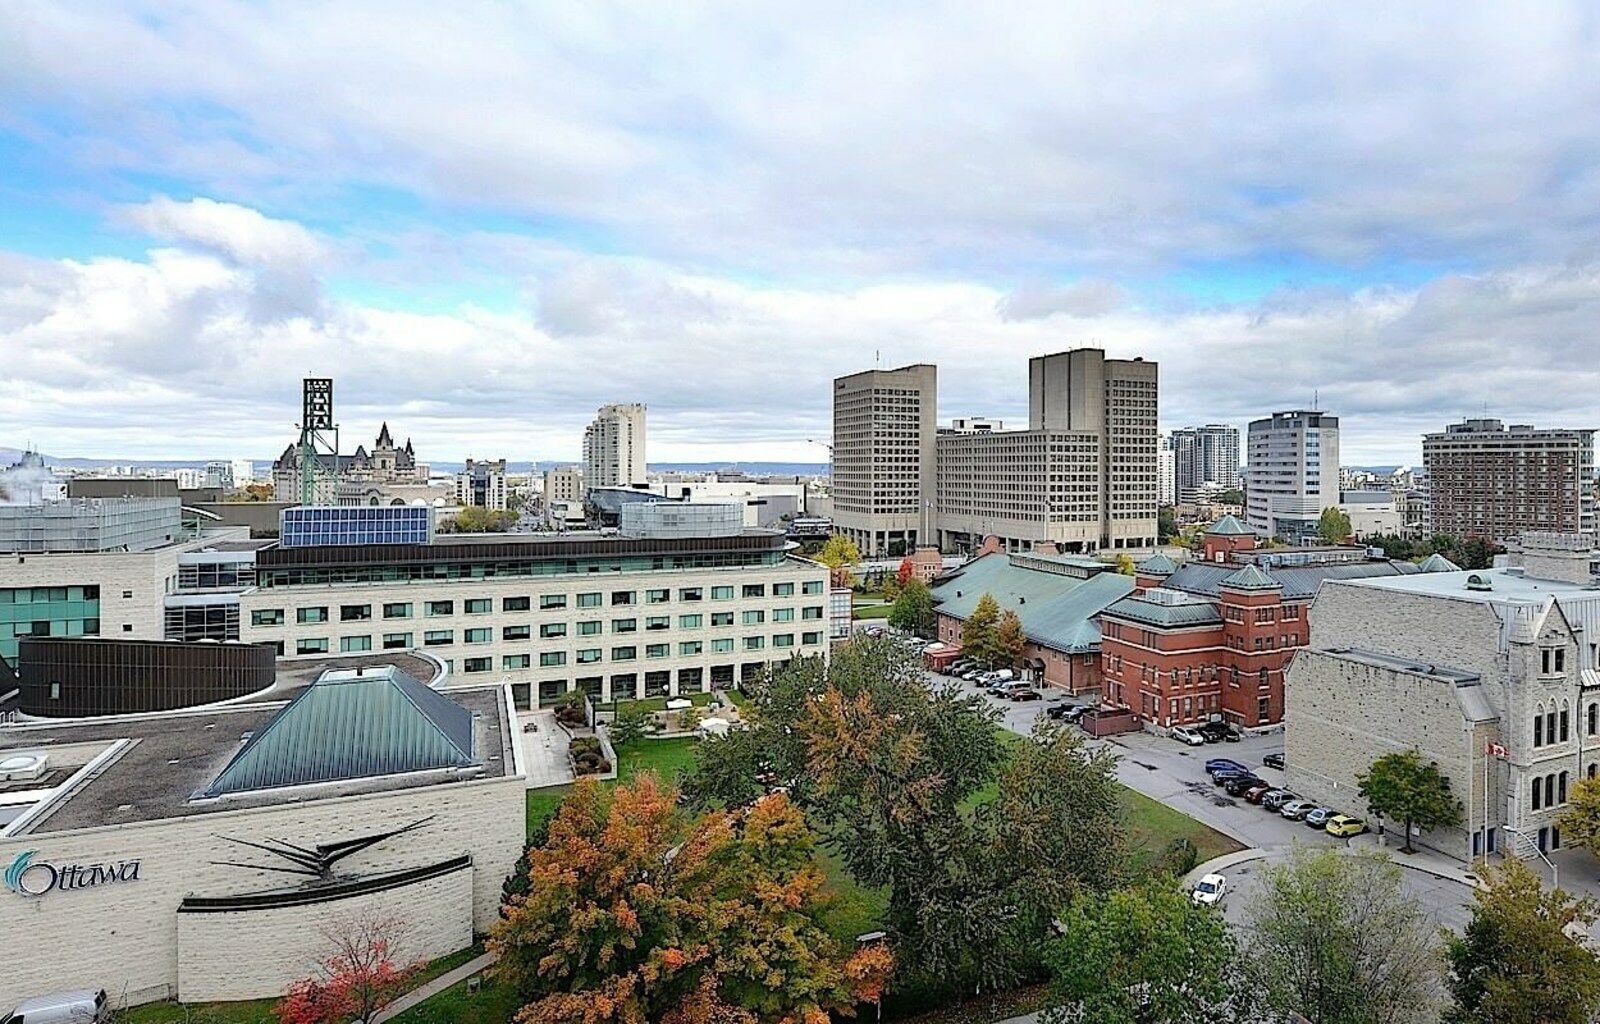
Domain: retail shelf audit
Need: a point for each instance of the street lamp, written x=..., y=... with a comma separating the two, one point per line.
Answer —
x=1555, y=876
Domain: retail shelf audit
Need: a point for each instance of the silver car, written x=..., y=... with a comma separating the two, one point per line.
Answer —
x=1294, y=810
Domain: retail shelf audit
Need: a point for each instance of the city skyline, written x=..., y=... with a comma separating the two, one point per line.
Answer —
x=197, y=228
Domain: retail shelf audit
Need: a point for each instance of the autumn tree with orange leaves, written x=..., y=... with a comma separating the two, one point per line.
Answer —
x=636, y=913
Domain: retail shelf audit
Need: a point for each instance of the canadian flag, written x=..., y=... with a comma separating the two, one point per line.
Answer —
x=1496, y=750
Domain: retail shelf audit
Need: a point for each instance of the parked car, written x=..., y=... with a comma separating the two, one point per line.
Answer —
x=1273, y=761
x=1294, y=810
x=1256, y=794
x=1184, y=734
x=973, y=674
x=1214, y=732
x=1275, y=800
x=1227, y=775
x=1343, y=826
x=87, y=1006
x=1007, y=688
x=1317, y=818
x=1209, y=890
x=1220, y=764
x=1026, y=693
x=1067, y=712
x=1239, y=785
x=1004, y=675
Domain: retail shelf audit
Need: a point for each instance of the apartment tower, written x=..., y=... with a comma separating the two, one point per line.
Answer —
x=1205, y=458
x=1497, y=482
x=1293, y=473
x=884, y=424
x=613, y=447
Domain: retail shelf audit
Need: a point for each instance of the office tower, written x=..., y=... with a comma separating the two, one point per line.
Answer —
x=1293, y=473
x=614, y=447
x=1166, y=473
x=1082, y=478
x=1496, y=482
x=884, y=425
x=1205, y=458
x=563, y=483
x=482, y=484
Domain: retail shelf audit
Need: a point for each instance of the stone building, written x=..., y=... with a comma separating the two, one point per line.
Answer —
x=355, y=474
x=1450, y=663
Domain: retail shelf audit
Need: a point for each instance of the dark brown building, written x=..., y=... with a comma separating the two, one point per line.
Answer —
x=1496, y=482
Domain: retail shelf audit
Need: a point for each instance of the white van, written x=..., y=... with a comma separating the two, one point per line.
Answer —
x=87, y=1006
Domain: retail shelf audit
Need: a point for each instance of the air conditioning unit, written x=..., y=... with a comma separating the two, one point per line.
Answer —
x=24, y=766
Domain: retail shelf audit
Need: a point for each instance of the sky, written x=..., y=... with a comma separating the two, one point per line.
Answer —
x=484, y=220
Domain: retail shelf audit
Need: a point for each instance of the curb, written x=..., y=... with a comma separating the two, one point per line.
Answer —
x=1227, y=860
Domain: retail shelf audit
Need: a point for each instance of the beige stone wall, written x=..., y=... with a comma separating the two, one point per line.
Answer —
x=258, y=954
x=124, y=937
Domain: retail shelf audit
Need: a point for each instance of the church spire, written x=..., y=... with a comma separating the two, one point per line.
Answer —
x=384, y=440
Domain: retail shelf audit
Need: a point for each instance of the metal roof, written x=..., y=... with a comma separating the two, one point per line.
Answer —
x=1299, y=581
x=352, y=724
x=1193, y=613
x=1228, y=526
x=1251, y=578
x=1057, y=611
x=1437, y=563
x=1157, y=565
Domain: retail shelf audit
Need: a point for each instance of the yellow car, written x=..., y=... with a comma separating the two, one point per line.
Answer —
x=1343, y=825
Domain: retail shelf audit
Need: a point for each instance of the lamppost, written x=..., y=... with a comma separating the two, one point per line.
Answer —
x=1555, y=876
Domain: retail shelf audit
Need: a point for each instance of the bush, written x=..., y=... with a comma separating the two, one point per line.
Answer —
x=588, y=757
x=571, y=710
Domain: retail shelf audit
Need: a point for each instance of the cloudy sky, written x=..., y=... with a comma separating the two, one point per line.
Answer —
x=486, y=219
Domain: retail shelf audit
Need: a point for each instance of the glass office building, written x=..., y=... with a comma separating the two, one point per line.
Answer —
x=46, y=611
x=338, y=525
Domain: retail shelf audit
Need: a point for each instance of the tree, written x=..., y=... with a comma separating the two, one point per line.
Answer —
x=1166, y=524
x=978, y=638
x=913, y=610
x=903, y=574
x=635, y=914
x=356, y=979
x=1516, y=962
x=1580, y=822
x=1335, y=938
x=1334, y=525
x=1232, y=496
x=1126, y=565
x=1401, y=787
x=477, y=519
x=839, y=554
x=1144, y=955
x=1008, y=639
x=258, y=492
x=629, y=724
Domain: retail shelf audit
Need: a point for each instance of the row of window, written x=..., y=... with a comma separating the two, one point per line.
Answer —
x=652, y=623
x=1549, y=791
x=484, y=605
x=551, y=659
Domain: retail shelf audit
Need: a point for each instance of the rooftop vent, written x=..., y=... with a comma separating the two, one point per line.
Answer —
x=25, y=766
x=1478, y=581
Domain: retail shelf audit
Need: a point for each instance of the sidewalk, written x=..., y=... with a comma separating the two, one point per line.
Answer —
x=422, y=993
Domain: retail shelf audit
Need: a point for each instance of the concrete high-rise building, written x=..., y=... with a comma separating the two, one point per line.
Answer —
x=1293, y=473
x=564, y=483
x=614, y=447
x=1497, y=482
x=1203, y=456
x=884, y=426
x=1166, y=473
x=482, y=484
x=1084, y=475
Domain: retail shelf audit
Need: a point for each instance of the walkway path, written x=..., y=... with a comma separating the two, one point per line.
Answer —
x=544, y=751
x=422, y=993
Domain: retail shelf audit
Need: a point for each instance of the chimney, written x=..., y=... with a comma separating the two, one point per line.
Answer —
x=1545, y=555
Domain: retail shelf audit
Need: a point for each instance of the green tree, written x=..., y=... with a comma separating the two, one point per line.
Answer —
x=840, y=555
x=978, y=633
x=477, y=519
x=1400, y=786
x=1126, y=565
x=1580, y=822
x=1335, y=938
x=1334, y=526
x=1166, y=524
x=1516, y=962
x=1478, y=553
x=1009, y=640
x=1233, y=496
x=629, y=724
x=1144, y=955
x=913, y=609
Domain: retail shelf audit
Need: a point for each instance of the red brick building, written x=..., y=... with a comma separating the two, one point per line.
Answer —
x=1210, y=639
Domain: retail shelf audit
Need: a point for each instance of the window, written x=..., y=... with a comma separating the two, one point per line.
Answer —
x=1549, y=790
x=515, y=604
x=516, y=662
x=441, y=608
x=589, y=685
x=783, y=590
x=657, y=650
x=689, y=648
x=783, y=615
x=657, y=622
x=722, y=618
x=354, y=644
x=588, y=600
x=400, y=610
x=396, y=641
x=355, y=612
x=811, y=638
x=624, y=687
x=479, y=636
x=722, y=593
x=308, y=615
x=318, y=646
x=690, y=594
x=1561, y=659
x=811, y=587
x=479, y=605
x=783, y=640
x=1538, y=729
x=755, y=590
x=589, y=656
x=754, y=643
x=477, y=664
x=623, y=597
x=1263, y=710
x=1561, y=788
x=560, y=600
x=438, y=637
x=1564, y=724
x=723, y=646
x=695, y=621
x=552, y=629
x=550, y=659
x=1594, y=718
x=811, y=613
x=657, y=596
x=591, y=628
x=274, y=617
x=754, y=618
x=624, y=653
x=624, y=625
x=515, y=632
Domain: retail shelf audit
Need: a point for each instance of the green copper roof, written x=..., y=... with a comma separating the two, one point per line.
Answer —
x=1228, y=526
x=1157, y=565
x=1437, y=563
x=1191, y=613
x=1057, y=611
x=1251, y=578
x=352, y=725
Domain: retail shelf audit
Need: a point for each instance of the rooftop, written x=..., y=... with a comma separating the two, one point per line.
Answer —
x=1506, y=586
x=1299, y=582
x=1057, y=610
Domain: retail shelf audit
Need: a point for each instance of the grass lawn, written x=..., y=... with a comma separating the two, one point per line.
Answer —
x=1153, y=825
x=871, y=611
x=657, y=703
x=737, y=696
x=667, y=758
